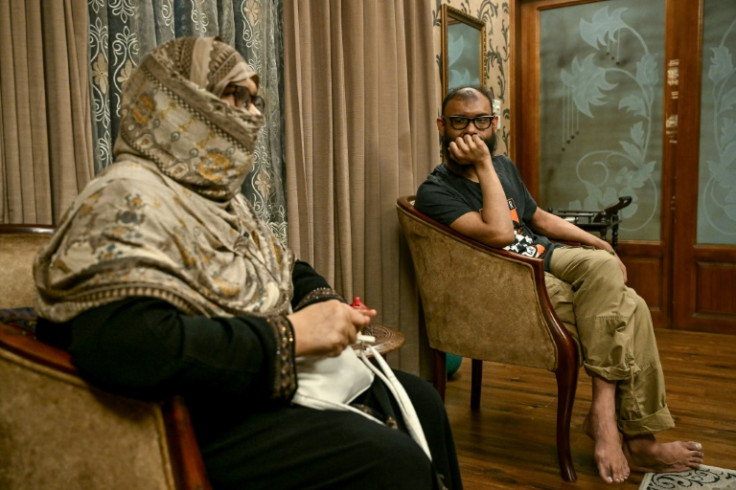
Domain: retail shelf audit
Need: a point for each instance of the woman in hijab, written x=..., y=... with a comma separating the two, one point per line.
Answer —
x=160, y=280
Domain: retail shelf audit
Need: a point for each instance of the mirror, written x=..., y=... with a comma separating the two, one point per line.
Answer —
x=463, y=46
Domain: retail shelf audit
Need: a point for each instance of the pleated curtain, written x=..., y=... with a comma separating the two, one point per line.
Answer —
x=45, y=121
x=360, y=94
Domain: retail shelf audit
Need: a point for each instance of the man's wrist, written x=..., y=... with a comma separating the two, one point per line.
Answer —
x=484, y=165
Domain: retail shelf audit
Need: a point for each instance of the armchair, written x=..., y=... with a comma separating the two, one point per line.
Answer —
x=489, y=304
x=57, y=431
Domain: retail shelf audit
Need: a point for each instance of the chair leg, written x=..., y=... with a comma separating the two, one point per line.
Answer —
x=439, y=372
x=476, y=381
x=567, y=384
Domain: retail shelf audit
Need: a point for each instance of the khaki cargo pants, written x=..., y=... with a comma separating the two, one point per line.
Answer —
x=614, y=327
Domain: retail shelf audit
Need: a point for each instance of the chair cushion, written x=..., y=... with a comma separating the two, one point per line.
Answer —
x=57, y=432
x=17, y=252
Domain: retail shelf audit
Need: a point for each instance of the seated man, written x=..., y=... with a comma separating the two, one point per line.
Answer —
x=482, y=196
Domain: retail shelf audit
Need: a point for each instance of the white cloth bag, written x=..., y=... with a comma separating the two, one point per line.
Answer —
x=331, y=383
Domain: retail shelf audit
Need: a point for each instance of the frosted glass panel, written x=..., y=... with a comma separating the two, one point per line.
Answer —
x=717, y=182
x=601, y=110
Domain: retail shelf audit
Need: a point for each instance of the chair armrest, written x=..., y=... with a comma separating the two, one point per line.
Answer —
x=13, y=340
x=186, y=457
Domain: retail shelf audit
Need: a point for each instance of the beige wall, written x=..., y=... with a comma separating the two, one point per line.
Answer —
x=495, y=15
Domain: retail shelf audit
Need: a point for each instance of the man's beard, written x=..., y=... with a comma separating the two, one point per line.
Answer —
x=491, y=143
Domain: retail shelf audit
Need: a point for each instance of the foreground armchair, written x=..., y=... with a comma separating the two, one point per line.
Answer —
x=57, y=431
x=488, y=304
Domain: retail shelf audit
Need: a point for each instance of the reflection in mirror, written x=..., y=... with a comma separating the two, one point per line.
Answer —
x=463, y=45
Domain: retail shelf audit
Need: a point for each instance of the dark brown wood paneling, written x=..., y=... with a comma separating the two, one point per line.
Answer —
x=716, y=289
x=644, y=276
x=702, y=291
x=645, y=266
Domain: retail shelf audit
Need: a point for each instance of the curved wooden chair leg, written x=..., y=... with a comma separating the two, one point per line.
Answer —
x=476, y=383
x=567, y=383
x=439, y=374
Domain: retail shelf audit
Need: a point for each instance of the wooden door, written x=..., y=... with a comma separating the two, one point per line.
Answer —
x=704, y=156
x=608, y=101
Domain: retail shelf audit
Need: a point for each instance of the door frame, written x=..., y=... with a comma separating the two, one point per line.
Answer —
x=668, y=272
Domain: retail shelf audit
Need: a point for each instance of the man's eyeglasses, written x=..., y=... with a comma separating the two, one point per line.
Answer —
x=460, y=122
x=243, y=98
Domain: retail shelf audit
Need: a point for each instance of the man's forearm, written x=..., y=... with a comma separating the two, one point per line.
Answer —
x=558, y=228
x=495, y=212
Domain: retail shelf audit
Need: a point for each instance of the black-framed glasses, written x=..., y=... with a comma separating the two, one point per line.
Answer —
x=243, y=98
x=461, y=122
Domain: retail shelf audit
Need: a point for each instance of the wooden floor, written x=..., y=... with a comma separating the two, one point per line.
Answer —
x=510, y=441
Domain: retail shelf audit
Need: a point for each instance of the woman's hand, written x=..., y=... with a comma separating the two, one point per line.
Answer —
x=325, y=329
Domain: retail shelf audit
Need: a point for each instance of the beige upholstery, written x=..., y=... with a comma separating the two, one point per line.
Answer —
x=58, y=432
x=18, y=248
x=489, y=304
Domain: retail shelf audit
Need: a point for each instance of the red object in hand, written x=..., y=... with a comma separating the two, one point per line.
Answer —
x=362, y=337
x=358, y=304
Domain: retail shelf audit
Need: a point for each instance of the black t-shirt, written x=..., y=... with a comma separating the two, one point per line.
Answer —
x=445, y=196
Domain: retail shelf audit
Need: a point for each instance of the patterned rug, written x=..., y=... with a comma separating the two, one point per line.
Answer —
x=704, y=478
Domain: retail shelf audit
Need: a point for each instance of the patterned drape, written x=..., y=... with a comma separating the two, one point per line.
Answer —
x=121, y=32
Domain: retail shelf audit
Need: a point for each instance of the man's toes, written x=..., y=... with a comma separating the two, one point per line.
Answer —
x=694, y=446
x=606, y=473
x=623, y=474
x=697, y=454
x=695, y=461
x=614, y=473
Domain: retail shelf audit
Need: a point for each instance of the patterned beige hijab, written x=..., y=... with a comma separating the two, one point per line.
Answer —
x=167, y=219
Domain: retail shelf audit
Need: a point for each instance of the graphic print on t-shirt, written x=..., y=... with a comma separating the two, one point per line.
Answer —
x=522, y=244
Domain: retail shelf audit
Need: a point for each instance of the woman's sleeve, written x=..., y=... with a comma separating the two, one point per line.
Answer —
x=148, y=348
x=310, y=287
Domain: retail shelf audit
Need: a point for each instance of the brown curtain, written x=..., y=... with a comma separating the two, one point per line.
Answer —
x=360, y=104
x=45, y=143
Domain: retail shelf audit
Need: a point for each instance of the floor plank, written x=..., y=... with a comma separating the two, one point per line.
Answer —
x=510, y=442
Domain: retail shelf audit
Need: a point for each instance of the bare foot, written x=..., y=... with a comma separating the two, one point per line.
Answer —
x=609, y=457
x=645, y=454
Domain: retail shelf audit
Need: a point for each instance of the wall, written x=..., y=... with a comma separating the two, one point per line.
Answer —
x=495, y=15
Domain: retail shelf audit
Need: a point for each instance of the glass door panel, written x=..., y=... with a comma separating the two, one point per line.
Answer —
x=717, y=172
x=601, y=110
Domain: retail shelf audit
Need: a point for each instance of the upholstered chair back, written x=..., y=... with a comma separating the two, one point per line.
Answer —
x=59, y=432
x=18, y=247
x=478, y=302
